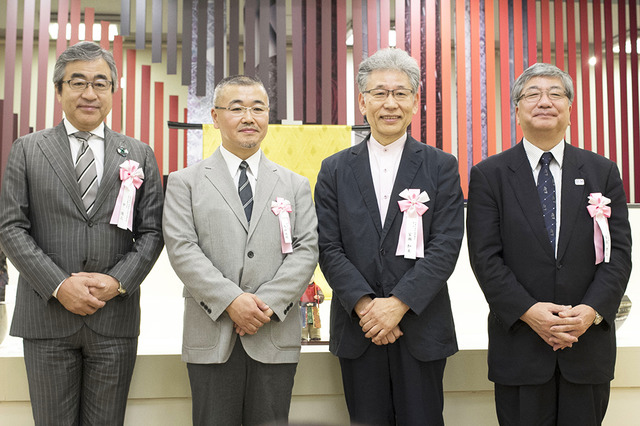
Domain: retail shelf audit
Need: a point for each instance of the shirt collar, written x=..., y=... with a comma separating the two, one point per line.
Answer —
x=534, y=153
x=98, y=131
x=233, y=162
x=393, y=147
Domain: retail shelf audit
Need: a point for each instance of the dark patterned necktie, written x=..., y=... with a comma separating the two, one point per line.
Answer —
x=547, y=194
x=86, y=172
x=244, y=190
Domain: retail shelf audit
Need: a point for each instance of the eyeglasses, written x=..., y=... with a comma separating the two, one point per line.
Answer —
x=382, y=94
x=534, y=96
x=80, y=85
x=240, y=110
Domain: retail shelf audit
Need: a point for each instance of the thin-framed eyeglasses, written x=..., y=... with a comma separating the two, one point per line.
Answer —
x=382, y=94
x=534, y=96
x=80, y=84
x=240, y=110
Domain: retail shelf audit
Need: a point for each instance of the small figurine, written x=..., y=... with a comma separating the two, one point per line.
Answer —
x=309, y=312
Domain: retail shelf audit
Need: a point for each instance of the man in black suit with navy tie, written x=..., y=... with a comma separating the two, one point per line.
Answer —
x=551, y=270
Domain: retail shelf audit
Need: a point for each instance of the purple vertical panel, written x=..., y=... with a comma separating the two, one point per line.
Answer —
x=326, y=65
x=356, y=14
x=9, y=81
x=281, y=58
x=341, y=61
x=43, y=62
x=141, y=23
x=27, y=61
x=265, y=19
x=61, y=45
x=219, y=49
x=385, y=23
x=172, y=37
x=156, y=32
x=298, y=60
x=201, y=57
x=250, y=37
x=311, y=68
x=187, y=41
x=125, y=17
x=234, y=37
x=75, y=22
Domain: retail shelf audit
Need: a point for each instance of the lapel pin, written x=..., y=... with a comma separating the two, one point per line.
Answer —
x=580, y=182
x=123, y=151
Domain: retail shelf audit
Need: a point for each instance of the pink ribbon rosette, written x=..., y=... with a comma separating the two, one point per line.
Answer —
x=281, y=208
x=131, y=177
x=600, y=211
x=410, y=242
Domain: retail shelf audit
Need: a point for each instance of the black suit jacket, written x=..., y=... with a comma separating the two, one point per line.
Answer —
x=358, y=253
x=515, y=265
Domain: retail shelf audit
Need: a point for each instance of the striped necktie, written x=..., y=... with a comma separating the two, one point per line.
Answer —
x=86, y=172
x=244, y=190
x=547, y=194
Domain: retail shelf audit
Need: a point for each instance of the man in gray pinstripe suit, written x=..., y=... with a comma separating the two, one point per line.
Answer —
x=77, y=304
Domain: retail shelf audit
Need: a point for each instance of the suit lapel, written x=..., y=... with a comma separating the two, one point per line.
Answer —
x=217, y=172
x=361, y=168
x=112, y=161
x=524, y=187
x=55, y=146
x=265, y=186
x=574, y=197
x=409, y=165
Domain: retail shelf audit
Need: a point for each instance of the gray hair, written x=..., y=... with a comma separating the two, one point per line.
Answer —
x=236, y=80
x=85, y=51
x=389, y=59
x=541, y=69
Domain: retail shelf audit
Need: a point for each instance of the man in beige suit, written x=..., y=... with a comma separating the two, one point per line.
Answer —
x=241, y=234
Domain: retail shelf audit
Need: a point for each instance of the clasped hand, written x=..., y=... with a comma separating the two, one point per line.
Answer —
x=248, y=313
x=83, y=293
x=380, y=318
x=559, y=326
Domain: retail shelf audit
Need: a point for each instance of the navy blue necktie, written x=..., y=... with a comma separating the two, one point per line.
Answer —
x=244, y=190
x=547, y=194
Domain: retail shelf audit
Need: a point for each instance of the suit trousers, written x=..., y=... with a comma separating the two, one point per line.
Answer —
x=388, y=386
x=555, y=403
x=241, y=391
x=82, y=379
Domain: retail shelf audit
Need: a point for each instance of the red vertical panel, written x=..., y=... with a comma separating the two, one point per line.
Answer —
x=624, y=120
x=531, y=31
x=325, y=67
x=131, y=93
x=104, y=34
x=116, y=112
x=356, y=13
x=546, y=34
x=372, y=27
x=431, y=71
x=145, y=104
x=43, y=63
x=173, y=134
x=491, y=77
x=462, y=96
x=7, y=128
x=505, y=99
x=341, y=61
x=185, y=144
x=89, y=18
x=611, y=109
x=158, y=128
x=597, y=46
x=385, y=23
x=312, y=63
x=61, y=45
x=518, y=55
x=476, y=105
x=75, y=21
x=445, y=48
x=559, y=37
x=573, y=69
x=400, y=40
x=27, y=64
x=281, y=57
x=586, y=92
x=633, y=33
x=298, y=60
x=415, y=52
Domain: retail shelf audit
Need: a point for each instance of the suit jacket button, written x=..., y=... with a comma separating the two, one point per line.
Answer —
x=250, y=255
x=202, y=304
x=90, y=224
x=209, y=310
x=382, y=251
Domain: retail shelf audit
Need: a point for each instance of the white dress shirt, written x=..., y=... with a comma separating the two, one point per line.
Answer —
x=384, y=161
x=233, y=163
